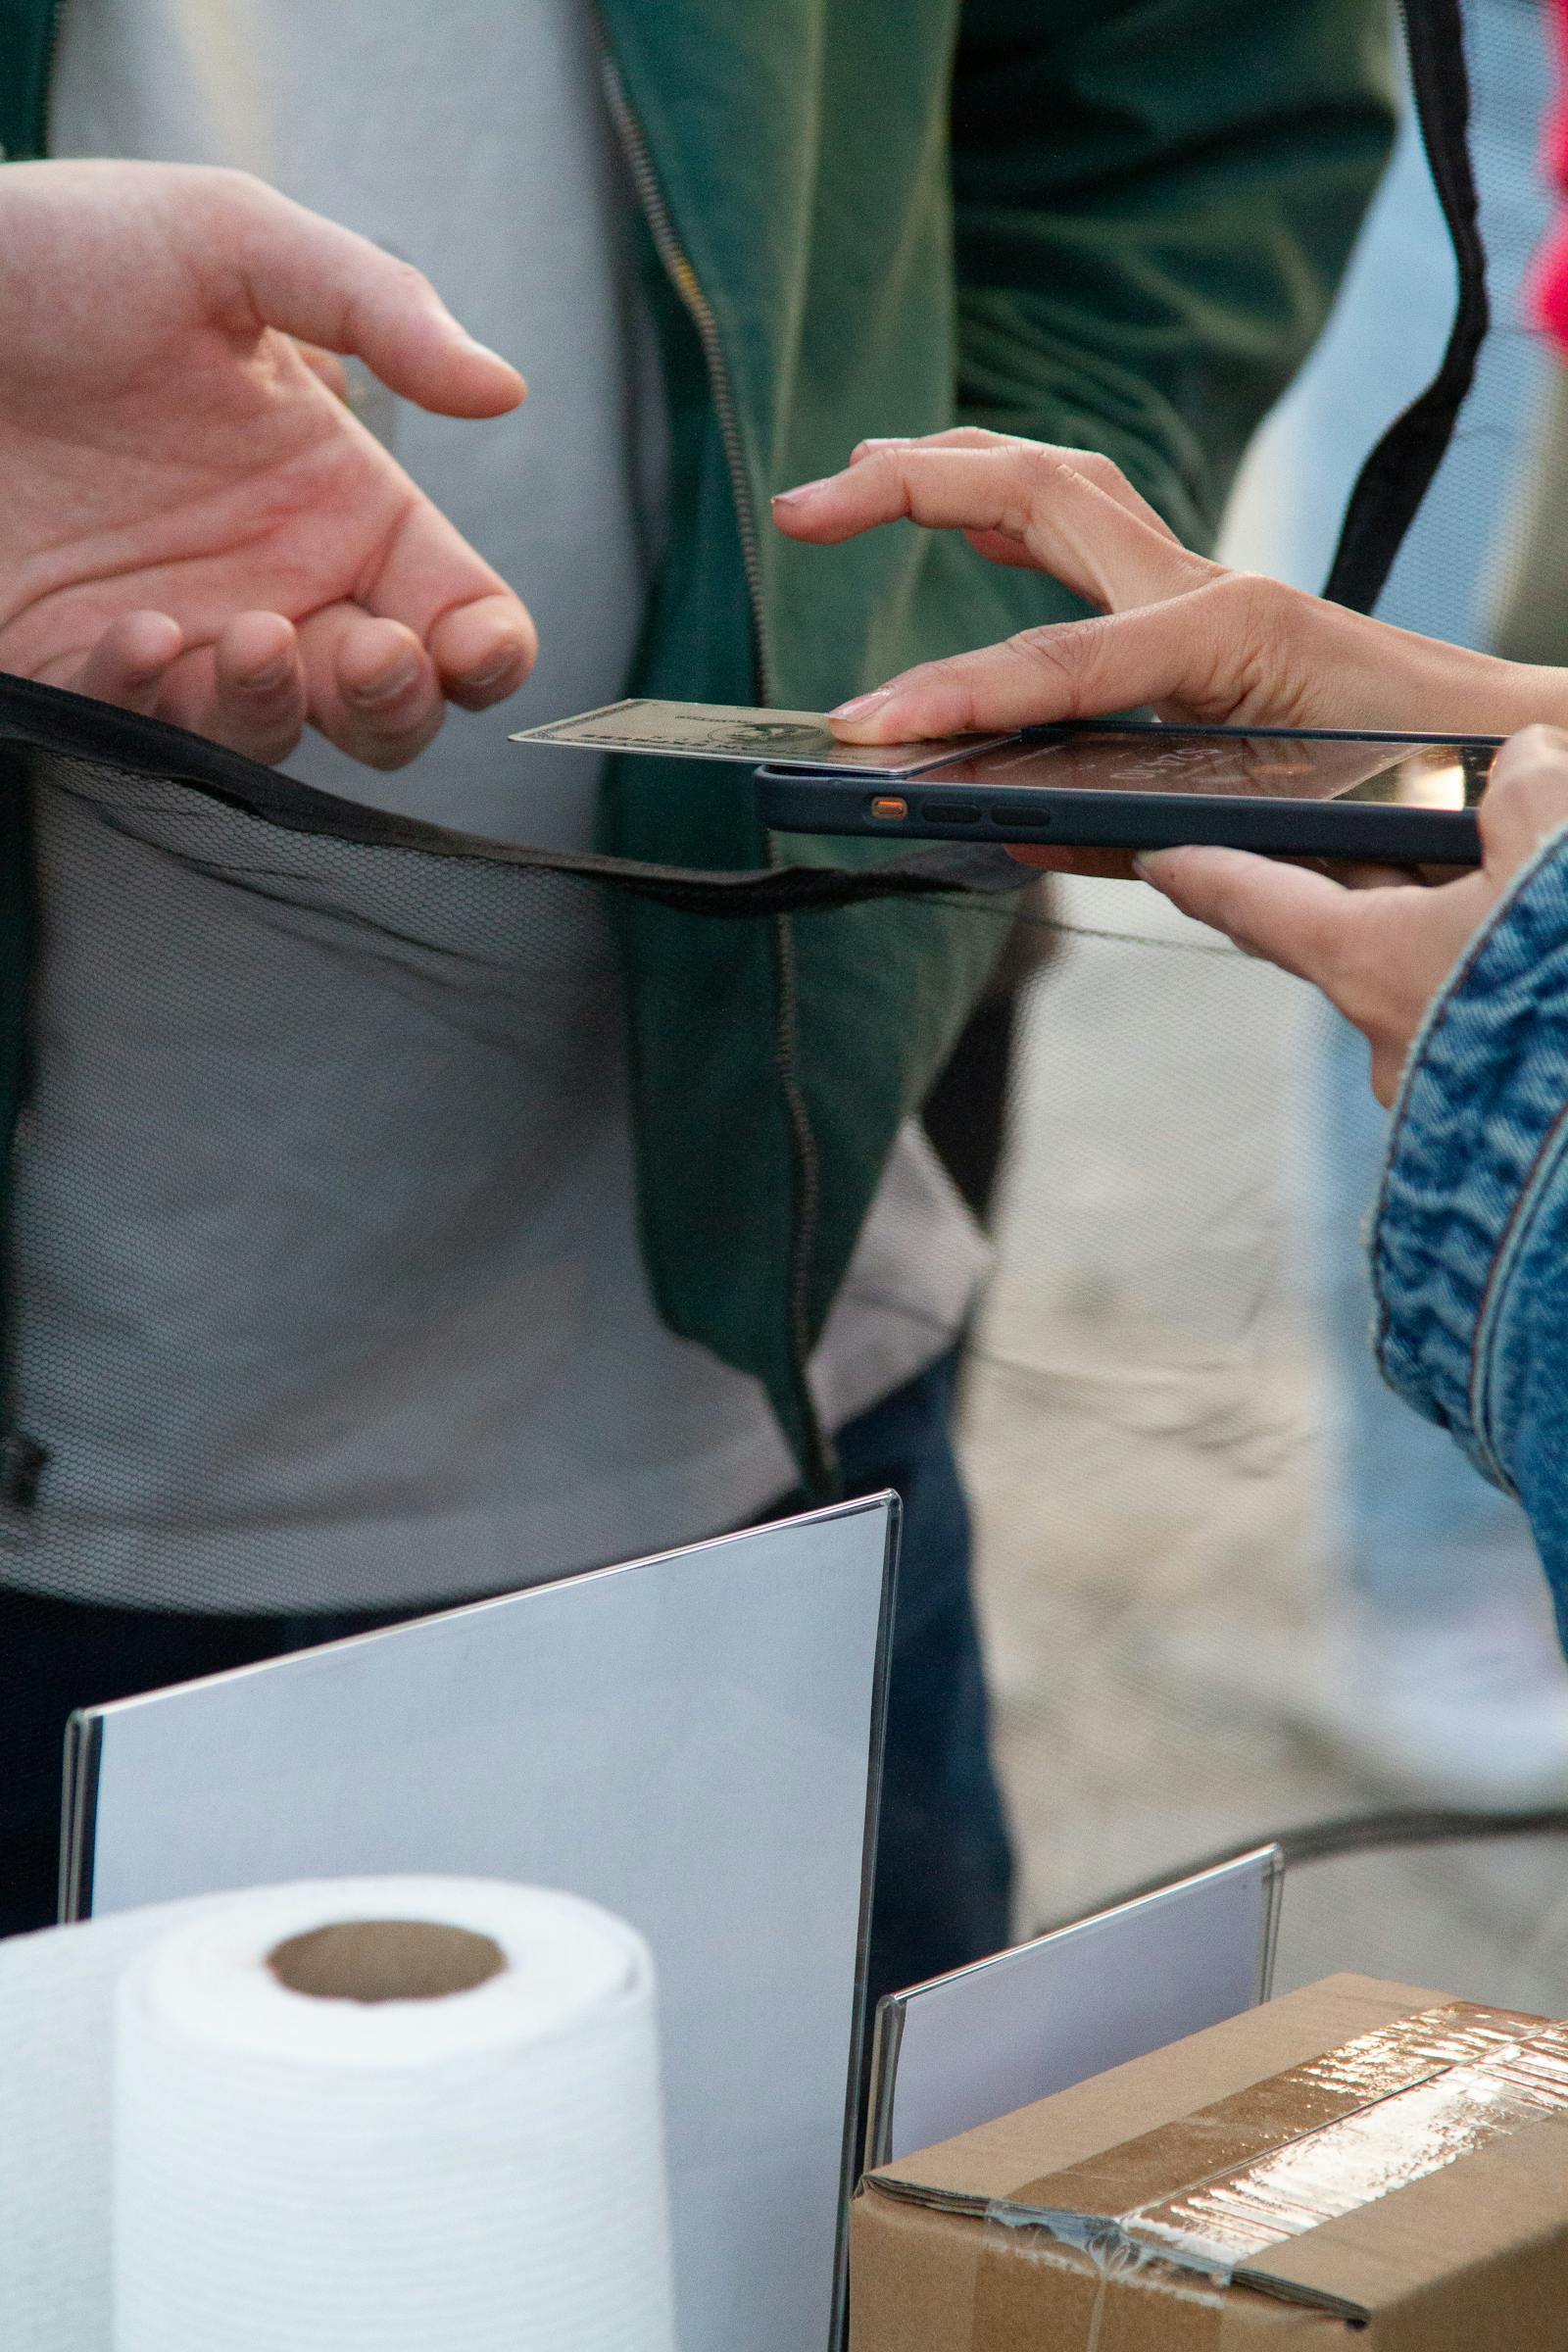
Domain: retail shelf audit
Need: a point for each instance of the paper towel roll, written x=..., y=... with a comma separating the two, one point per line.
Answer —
x=332, y=2168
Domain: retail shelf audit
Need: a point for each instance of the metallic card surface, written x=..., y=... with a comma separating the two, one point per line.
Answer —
x=792, y=738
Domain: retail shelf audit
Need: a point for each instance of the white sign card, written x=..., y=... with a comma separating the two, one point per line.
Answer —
x=973, y=2045
x=692, y=1741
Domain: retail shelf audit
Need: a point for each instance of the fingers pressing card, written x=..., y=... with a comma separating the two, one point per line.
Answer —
x=794, y=739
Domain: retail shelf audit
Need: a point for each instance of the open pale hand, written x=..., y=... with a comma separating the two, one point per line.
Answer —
x=193, y=525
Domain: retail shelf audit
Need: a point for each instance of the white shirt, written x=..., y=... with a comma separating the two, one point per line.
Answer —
x=505, y=1401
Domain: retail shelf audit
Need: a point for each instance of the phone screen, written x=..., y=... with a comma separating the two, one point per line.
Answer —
x=1405, y=776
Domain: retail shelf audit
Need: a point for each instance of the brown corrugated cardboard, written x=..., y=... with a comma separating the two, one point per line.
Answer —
x=1359, y=2163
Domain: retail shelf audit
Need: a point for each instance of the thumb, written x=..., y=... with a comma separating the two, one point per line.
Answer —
x=322, y=284
x=1526, y=800
x=1286, y=913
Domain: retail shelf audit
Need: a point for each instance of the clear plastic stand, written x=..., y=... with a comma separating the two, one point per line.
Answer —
x=693, y=1741
x=973, y=2045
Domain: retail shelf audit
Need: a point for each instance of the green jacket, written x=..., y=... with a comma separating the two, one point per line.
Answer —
x=1110, y=222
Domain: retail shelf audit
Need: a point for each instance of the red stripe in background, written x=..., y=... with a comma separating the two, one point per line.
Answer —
x=1549, y=291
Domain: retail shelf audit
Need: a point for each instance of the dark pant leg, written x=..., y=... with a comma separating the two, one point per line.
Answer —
x=944, y=1874
x=965, y=1113
x=57, y=1655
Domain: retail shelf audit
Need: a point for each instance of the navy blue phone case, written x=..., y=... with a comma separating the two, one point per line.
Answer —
x=927, y=809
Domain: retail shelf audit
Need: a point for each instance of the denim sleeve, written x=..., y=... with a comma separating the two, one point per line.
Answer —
x=1470, y=1234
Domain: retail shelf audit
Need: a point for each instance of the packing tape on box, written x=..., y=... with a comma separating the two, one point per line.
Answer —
x=1281, y=2158
x=397, y=2112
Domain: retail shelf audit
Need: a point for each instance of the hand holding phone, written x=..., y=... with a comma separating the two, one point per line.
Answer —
x=1112, y=787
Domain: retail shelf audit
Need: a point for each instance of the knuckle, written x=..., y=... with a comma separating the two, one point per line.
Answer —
x=230, y=204
x=1255, y=620
x=1226, y=905
x=1049, y=467
x=1096, y=467
x=1265, y=607
x=386, y=752
x=1528, y=786
x=408, y=282
x=1256, y=597
x=237, y=187
x=885, y=471
x=1535, y=751
x=248, y=210
x=1056, y=654
x=950, y=689
x=1036, y=478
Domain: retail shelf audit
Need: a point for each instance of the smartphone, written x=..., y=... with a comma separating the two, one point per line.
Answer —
x=1129, y=784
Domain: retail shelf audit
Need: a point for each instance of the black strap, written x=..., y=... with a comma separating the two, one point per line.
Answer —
x=1399, y=472
x=44, y=720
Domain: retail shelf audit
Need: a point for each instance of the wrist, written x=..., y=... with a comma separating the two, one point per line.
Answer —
x=1539, y=696
x=1481, y=694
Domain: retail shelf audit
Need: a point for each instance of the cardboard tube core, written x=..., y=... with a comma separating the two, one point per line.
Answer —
x=386, y=1960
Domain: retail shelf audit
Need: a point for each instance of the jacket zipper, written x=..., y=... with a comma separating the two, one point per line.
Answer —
x=823, y=1463
x=683, y=278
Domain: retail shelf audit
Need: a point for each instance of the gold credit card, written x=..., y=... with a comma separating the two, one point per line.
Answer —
x=792, y=738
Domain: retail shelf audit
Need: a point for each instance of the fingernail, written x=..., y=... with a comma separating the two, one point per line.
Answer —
x=884, y=441
x=798, y=497
x=862, y=705
x=387, y=690
x=480, y=679
x=493, y=359
x=262, y=681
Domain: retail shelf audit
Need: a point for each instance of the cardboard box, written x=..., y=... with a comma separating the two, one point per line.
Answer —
x=1360, y=2165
